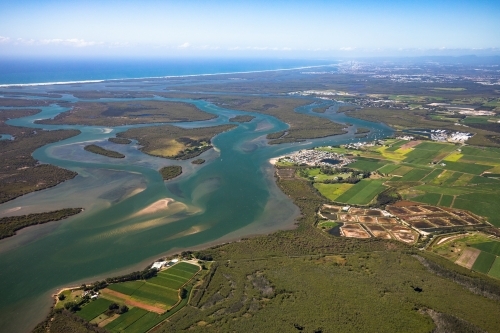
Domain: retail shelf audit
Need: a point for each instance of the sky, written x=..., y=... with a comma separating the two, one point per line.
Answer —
x=215, y=28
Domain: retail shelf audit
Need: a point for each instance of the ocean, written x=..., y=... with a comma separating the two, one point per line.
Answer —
x=51, y=71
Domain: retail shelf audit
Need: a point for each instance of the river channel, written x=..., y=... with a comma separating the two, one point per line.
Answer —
x=132, y=216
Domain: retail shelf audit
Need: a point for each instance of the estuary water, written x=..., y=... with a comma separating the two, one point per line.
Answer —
x=132, y=216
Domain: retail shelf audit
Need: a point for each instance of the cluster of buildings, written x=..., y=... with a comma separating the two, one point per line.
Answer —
x=159, y=264
x=360, y=145
x=313, y=157
x=447, y=136
x=320, y=93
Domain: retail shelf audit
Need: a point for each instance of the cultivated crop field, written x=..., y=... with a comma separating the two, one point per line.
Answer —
x=443, y=174
x=475, y=251
x=362, y=193
x=143, y=297
x=94, y=308
x=161, y=290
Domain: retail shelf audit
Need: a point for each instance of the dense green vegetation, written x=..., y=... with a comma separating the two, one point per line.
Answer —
x=128, y=113
x=174, y=142
x=198, y=161
x=9, y=225
x=241, y=119
x=120, y=141
x=20, y=173
x=170, y=171
x=105, y=152
x=302, y=126
x=64, y=321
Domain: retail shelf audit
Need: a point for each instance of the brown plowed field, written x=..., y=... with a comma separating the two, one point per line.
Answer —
x=128, y=300
x=373, y=212
x=367, y=219
x=354, y=231
x=410, y=144
x=348, y=218
x=468, y=257
x=387, y=220
x=357, y=211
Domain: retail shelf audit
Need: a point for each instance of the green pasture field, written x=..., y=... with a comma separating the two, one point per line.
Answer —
x=446, y=200
x=489, y=247
x=484, y=262
x=454, y=177
x=94, y=308
x=402, y=170
x=495, y=269
x=482, y=204
x=332, y=191
x=463, y=180
x=428, y=198
x=168, y=282
x=483, y=180
x=127, y=288
x=430, y=146
x=481, y=120
x=415, y=175
x=156, y=294
x=476, y=169
x=395, y=146
x=434, y=173
x=187, y=267
x=315, y=172
x=125, y=320
x=421, y=156
x=180, y=273
x=367, y=164
x=166, y=275
x=388, y=168
x=328, y=224
x=481, y=159
x=363, y=192
x=442, y=177
x=442, y=190
x=492, y=103
x=481, y=152
x=144, y=323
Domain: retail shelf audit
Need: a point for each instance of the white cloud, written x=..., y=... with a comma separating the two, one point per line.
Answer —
x=184, y=46
x=72, y=42
x=68, y=42
x=348, y=48
x=4, y=39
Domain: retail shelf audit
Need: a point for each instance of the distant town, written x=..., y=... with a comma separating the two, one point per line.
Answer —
x=313, y=157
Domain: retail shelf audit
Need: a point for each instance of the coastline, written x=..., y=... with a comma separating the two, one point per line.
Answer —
x=34, y=84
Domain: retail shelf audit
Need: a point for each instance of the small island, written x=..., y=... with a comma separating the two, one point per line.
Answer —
x=105, y=152
x=198, y=161
x=9, y=225
x=120, y=141
x=241, y=119
x=170, y=172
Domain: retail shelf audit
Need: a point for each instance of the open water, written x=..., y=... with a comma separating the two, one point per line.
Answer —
x=126, y=223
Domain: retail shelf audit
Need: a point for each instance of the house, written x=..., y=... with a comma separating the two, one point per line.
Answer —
x=158, y=264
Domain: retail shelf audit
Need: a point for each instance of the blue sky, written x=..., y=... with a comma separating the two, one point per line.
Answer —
x=248, y=28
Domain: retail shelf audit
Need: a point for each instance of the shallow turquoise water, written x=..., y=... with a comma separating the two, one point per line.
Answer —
x=231, y=196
